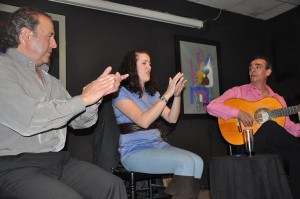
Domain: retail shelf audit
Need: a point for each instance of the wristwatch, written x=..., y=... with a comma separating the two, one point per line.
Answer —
x=162, y=98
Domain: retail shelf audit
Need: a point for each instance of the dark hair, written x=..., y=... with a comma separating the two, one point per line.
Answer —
x=132, y=83
x=2, y=26
x=23, y=17
x=267, y=60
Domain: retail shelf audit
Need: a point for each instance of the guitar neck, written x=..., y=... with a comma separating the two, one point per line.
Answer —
x=284, y=111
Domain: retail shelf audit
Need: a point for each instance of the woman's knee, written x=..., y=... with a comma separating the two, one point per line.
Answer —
x=198, y=160
x=199, y=164
x=185, y=166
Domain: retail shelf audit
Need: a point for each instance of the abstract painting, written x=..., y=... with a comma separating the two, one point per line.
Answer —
x=198, y=60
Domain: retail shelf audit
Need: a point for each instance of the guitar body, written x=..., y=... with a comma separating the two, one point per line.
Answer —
x=229, y=128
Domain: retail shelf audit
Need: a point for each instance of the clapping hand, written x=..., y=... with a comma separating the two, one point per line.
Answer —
x=179, y=86
x=176, y=85
x=116, y=83
x=105, y=84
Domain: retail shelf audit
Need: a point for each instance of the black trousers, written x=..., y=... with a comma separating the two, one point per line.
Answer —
x=271, y=138
x=57, y=175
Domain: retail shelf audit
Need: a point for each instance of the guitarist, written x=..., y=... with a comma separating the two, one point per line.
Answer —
x=270, y=137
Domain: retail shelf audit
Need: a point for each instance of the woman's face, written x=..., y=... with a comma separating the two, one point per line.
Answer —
x=143, y=66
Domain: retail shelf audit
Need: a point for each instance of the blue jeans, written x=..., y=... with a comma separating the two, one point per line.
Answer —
x=171, y=160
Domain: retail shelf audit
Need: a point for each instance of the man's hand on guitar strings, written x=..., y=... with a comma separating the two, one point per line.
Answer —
x=246, y=118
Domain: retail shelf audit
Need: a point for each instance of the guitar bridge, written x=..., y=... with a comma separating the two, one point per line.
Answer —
x=238, y=124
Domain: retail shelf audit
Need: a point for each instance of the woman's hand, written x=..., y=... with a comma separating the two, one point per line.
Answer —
x=179, y=87
x=174, y=85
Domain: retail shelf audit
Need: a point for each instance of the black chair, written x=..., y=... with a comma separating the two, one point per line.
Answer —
x=106, y=153
x=133, y=177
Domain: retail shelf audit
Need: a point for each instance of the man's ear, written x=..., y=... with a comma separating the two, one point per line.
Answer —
x=25, y=36
x=269, y=72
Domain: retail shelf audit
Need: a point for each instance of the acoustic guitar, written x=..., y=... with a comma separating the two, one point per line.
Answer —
x=262, y=111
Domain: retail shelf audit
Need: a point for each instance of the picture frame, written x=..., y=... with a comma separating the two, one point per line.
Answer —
x=199, y=60
x=58, y=58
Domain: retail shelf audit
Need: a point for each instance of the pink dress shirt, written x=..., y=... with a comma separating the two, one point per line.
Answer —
x=249, y=93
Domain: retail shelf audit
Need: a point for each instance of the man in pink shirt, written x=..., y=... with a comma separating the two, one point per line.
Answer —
x=270, y=137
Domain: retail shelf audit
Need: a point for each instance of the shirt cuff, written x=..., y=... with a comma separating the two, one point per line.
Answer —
x=78, y=104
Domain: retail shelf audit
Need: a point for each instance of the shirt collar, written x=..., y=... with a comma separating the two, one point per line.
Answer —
x=270, y=91
x=24, y=61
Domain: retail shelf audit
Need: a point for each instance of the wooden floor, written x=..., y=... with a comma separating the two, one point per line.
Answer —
x=204, y=194
x=159, y=193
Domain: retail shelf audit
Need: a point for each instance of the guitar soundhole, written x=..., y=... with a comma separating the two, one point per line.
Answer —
x=261, y=115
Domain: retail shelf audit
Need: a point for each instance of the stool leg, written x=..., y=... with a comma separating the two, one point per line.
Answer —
x=230, y=149
x=132, y=185
x=150, y=188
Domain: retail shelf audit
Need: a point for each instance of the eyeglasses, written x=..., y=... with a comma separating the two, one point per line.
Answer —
x=256, y=66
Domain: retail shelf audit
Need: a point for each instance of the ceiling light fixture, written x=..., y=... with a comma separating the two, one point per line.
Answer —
x=135, y=12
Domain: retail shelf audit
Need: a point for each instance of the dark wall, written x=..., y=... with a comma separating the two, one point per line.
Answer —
x=97, y=39
x=285, y=40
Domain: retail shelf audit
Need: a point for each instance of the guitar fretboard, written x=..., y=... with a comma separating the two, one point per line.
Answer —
x=284, y=111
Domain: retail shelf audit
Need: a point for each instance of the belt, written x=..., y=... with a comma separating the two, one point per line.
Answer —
x=131, y=127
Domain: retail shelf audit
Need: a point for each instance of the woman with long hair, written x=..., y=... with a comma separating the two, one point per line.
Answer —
x=137, y=108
